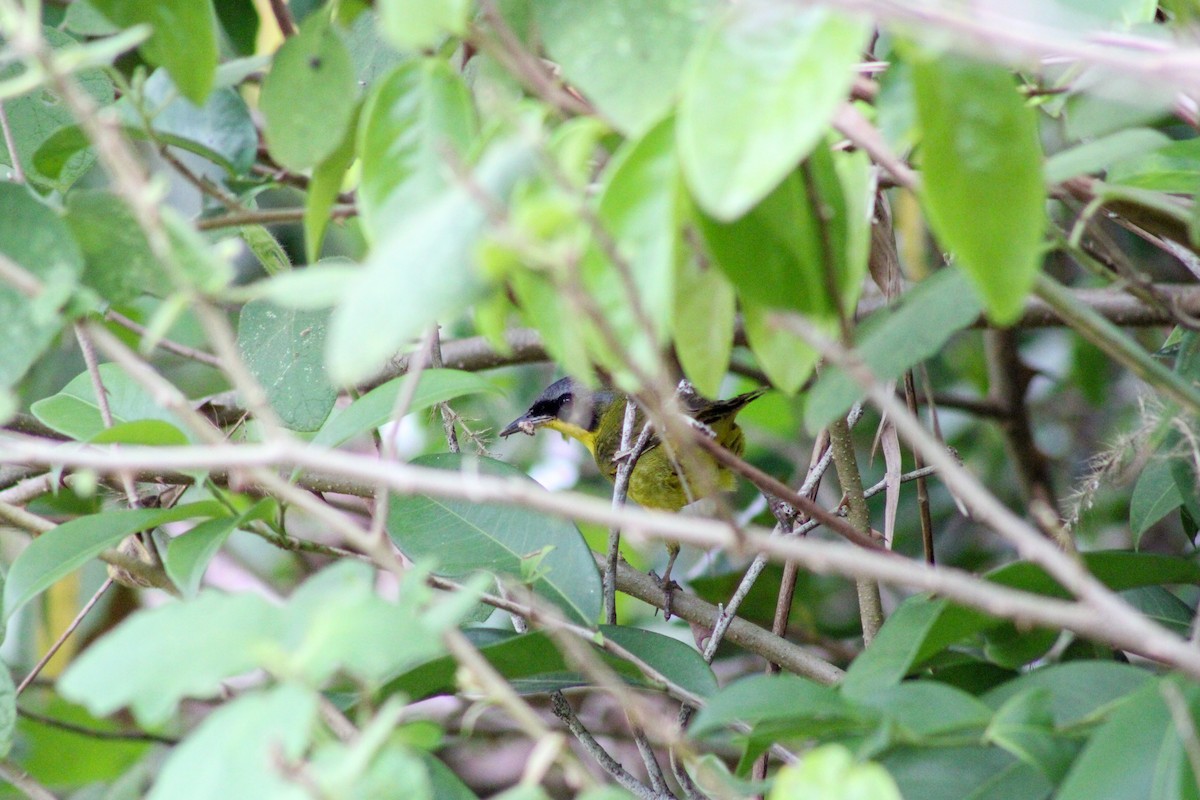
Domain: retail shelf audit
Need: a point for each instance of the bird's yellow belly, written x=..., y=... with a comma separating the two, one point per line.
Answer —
x=656, y=484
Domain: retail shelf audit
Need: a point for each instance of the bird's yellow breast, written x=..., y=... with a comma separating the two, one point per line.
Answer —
x=575, y=432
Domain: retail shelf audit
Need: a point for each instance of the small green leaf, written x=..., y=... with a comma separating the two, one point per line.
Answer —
x=463, y=537
x=1171, y=167
x=188, y=555
x=323, y=190
x=676, y=660
x=896, y=339
x=423, y=24
x=377, y=406
x=240, y=748
x=780, y=706
x=150, y=432
x=184, y=41
x=62, y=550
x=318, y=285
x=704, y=315
x=758, y=96
x=309, y=96
x=1078, y=690
x=422, y=270
x=982, y=176
x=1024, y=726
x=221, y=128
x=284, y=350
x=787, y=359
x=626, y=56
x=36, y=239
x=831, y=773
x=415, y=123
x=897, y=647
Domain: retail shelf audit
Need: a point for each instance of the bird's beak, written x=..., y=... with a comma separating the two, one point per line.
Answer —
x=526, y=424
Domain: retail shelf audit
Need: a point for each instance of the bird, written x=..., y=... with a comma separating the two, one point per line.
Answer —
x=595, y=418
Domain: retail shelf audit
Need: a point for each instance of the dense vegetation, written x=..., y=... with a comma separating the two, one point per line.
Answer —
x=273, y=274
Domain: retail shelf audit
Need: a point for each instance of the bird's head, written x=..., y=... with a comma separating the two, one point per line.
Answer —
x=566, y=406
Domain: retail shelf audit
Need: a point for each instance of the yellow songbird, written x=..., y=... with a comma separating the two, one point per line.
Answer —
x=596, y=418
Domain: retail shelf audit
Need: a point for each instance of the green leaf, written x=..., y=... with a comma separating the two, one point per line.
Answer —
x=74, y=411
x=1154, y=496
x=221, y=129
x=415, y=123
x=638, y=211
x=184, y=41
x=758, y=96
x=676, y=660
x=423, y=24
x=831, y=773
x=62, y=550
x=928, y=709
x=188, y=555
x=964, y=773
x=422, y=270
x=1172, y=167
x=1137, y=752
x=36, y=239
x=780, y=706
x=34, y=117
x=315, y=286
x=377, y=406
x=982, y=176
x=1024, y=726
x=704, y=314
x=284, y=350
x=1012, y=647
x=118, y=262
x=902, y=642
x=84, y=20
x=148, y=432
x=780, y=254
x=1162, y=606
x=238, y=750
x=626, y=56
x=323, y=191
x=203, y=641
x=1078, y=690
x=463, y=537
x=786, y=358
x=1100, y=154
x=8, y=711
x=309, y=96
x=896, y=339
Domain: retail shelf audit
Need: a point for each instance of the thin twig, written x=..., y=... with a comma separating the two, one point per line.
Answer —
x=10, y=143
x=23, y=782
x=62, y=638
x=268, y=216
x=283, y=17
x=166, y=344
x=97, y=733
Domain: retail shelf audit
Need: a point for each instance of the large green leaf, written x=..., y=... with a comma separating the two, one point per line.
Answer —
x=982, y=176
x=902, y=641
x=927, y=709
x=1155, y=495
x=831, y=773
x=74, y=411
x=62, y=550
x=787, y=359
x=1100, y=154
x=1024, y=726
x=462, y=537
x=284, y=350
x=238, y=749
x=33, y=118
x=309, y=96
x=1079, y=690
x=674, y=659
x=221, y=127
x=184, y=40
x=896, y=339
x=422, y=270
x=703, y=316
x=758, y=95
x=415, y=124
x=377, y=406
x=1137, y=752
x=36, y=239
x=626, y=56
